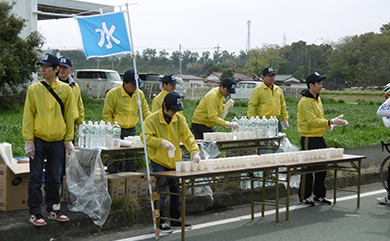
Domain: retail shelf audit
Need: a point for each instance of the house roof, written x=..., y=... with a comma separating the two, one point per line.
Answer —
x=189, y=77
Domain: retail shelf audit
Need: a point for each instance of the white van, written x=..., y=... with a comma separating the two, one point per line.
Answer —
x=244, y=89
x=97, y=82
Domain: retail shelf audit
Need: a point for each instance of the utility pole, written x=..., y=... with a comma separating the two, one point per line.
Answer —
x=180, y=58
x=218, y=52
x=248, y=41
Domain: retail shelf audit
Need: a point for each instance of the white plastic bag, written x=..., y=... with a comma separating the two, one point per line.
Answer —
x=87, y=186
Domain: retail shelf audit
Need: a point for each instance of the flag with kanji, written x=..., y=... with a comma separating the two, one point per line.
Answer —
x=104, y=34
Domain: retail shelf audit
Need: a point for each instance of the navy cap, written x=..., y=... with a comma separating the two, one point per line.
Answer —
x=128, y=77
x=268, y=71
x=230, y=85
x=314, y=77
x=49, y=60
x=174, y=100
x=169, y=79
x=64, y=61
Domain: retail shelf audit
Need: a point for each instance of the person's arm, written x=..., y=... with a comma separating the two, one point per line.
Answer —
x=384, y=109
x=212, y=112
x=108, y=109
x=69, y=116
x=29, y=117
x=80, y=107
x=253, y=103
x=283, y=111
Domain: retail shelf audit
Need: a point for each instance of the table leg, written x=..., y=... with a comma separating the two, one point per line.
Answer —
x=334, y=186
x=252, y=200
x=359, y=180
x=288, y=194
x=277, y=194
x=183, y=209
x=263, y=195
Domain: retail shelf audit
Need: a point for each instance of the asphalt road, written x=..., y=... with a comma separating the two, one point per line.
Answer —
x=335, y=222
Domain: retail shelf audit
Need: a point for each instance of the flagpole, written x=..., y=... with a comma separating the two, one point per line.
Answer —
x=156, y=230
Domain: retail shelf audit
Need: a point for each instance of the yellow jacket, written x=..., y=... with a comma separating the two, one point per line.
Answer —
x=42, y=116
x=210, y=109
x=265, y=102
x=159, y=99
x=120, y=107
x=310, y=118
x=78, y=104
x=157, y=129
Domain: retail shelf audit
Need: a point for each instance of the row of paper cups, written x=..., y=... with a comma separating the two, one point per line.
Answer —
x=249, y=161
x=225, y=136
x=136, y=140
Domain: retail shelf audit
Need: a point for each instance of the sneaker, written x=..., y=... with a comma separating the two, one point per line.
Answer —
x=177, y=225
x=323, y=200
x=383, y=200
x=307, y=202
x=37, y=220
x=164, y=228
x=57, y=215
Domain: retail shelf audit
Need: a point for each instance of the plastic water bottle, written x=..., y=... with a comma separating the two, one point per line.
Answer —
x=81, y=134
x=102, y=134
x=109, y=136
x=88, y=135
x=241, y=124
x=276, y=126
x=117, y=135
x=257, y=126
x=265, y=125
x=234, y=130
x=252, y=126
x=93, y=134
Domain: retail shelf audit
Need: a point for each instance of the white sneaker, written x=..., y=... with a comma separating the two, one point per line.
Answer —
x=383, y=200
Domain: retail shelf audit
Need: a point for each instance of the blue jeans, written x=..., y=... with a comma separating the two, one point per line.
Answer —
x=54, y=153
x=130, y=165
x=174, y=205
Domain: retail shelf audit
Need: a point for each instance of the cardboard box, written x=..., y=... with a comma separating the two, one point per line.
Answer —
x=136, y=184
x=13, y=185
x=66, y=196
x=116, y=186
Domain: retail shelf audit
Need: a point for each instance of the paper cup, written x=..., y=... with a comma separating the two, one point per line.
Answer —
x=248, y=162
x=187, y=166
x=178, y=166
x=278, y=159
x=301, y=158
x=328, y=155
x=171, y=153
x=212, y=136
x=210, y=166
x=202, y=165
x=194, y=166
x=240, y=135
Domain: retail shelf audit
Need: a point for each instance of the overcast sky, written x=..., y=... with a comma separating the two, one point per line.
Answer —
x=202, y=25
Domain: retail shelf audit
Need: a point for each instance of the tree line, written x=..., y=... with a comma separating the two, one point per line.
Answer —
x=359, y=60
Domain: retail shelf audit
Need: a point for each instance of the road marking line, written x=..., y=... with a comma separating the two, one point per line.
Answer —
x=245, y=217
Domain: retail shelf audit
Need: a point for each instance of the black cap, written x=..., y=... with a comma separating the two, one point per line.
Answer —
x=174, y=100
x=268, y=71
x=49, y=60
x=128, y=77
x=64, y=61
x=314, y=77
x=169, y=79
x=230, y=85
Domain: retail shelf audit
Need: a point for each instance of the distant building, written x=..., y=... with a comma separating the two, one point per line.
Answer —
x=191, y=80
x=34, y=10
x=214, y=77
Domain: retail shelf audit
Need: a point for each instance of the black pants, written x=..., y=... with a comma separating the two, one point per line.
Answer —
x=199, y=129
x=306, y=185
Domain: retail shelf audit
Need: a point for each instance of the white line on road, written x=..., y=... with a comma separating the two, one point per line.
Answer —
x=245, y=217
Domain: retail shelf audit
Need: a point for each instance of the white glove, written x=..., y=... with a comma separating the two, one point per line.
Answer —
x=195, y=157
x=30, y=149
x=329, y=128
x=69, y=147
x=233, y=125
x=285, y=124
x=338, y=121
x=167, y=145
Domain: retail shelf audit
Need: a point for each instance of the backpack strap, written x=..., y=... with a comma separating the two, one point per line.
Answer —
x=55, y=96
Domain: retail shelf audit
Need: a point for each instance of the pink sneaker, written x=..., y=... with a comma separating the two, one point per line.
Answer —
x=37, y=220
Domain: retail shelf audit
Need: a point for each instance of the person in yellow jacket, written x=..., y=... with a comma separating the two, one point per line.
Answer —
x=47, y=130
x=312, y=126
x=209, y=110
x=267, y=99
x=121, y=105
x=169, y=85
x=164, y=130
x=66, y=68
